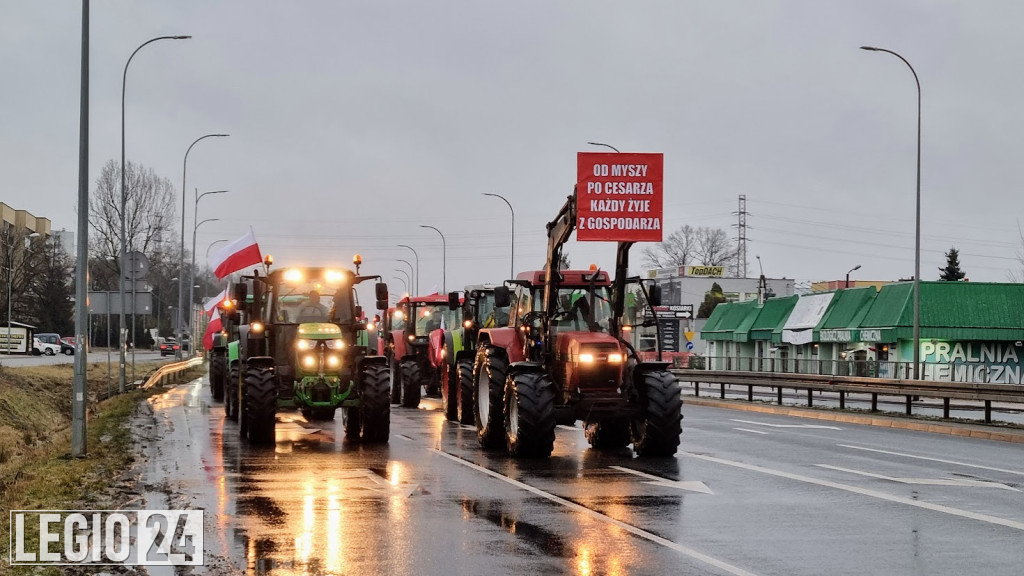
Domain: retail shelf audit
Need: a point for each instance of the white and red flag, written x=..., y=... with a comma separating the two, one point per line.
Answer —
x=212, y=328
x=211, y=304
x=236, y=255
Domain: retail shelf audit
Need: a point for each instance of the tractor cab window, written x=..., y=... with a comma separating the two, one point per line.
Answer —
x=398, y=319
x=301, y=302
x=430, y=317
x=489, y=315
x=580, y=309
x=522, y=302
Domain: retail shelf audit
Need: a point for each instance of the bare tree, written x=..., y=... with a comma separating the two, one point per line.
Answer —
x=149, y=213
x=677, y=250
x=713, y=247
x=19, y=254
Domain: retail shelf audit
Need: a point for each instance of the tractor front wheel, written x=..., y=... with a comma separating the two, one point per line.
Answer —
x=449, y=391
x=218, y=373
x=260, y=404
x=490, y=370
x=231, y=393
x=657, y=429
x=530, y=415
x=464, y=374
x=411, y=383
x=374, y=409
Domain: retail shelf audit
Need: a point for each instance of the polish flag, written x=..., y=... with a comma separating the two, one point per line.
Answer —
x=212, y=328
x=236, y=255
x=211, y=304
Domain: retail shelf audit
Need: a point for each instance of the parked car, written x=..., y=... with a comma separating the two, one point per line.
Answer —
x=168, y=347
x=39, y=347
x=67, y=345
x=54, y=339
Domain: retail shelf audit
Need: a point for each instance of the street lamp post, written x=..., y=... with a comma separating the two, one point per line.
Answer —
x=124, y=202
x=181, y=255
x=212, y=244
x=603, y=144
x=444, y=257
x=512, y=262
x=854, y=269
x=404, y=283
x=195, y=218
x=917, y=220
x=192, y=269
x=406, y=262
x=416, y=288
x=407, y=277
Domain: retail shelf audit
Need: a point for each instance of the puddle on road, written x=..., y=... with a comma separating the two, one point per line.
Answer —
x=545, y=541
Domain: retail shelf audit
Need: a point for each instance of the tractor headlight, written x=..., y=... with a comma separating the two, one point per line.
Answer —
x=468, y=323
x=256, y=327
x=615, y=358
x=371, y=326
x=336, y=344
x=305, y=344
x=333, y=361
x=309, y=361
x=587, y=358
x=412, y=337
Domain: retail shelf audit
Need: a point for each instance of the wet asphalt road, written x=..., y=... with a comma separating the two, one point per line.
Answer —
x=747, y=494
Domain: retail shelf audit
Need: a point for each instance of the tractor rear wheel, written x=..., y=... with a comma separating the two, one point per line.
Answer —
x=657, y=429
x=608, y=434
x=464, y=374
x=218, y=373
x=529, y=415
x=490, y=370
x=231, y=393
x=260, y=404
x=411, y=383
x=374, y=409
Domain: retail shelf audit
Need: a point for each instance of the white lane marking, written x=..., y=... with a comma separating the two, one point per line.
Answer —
x=404, y=437
x=749, y=430
x=811, y=426
x=691, y=485
x=954, y=462
x=925, y=481
x=564, y=427
x=862, y=491
x=720, y=564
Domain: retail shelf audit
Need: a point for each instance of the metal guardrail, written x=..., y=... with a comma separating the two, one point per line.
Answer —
x=170, y=371
x=844, y=385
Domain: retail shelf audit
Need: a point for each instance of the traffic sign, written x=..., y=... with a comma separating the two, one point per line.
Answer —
x=689, y=345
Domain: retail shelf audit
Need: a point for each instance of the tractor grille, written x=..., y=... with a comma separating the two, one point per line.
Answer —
x=320, y=392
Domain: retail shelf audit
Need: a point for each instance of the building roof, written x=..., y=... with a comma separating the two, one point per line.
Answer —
x=773, y=316
x=842, y=319
x=799, y=327
x=727, y=318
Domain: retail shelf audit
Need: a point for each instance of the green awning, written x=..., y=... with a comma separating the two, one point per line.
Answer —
x=841, y=322
x=726, y=319
x=773, y=316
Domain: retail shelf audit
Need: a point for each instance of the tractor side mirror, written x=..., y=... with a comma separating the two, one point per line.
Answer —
x=502, y=297
x=453, y=300
x=241, y=292
x=654, y=295
x=257, y=293
x=381, y=290
x=359, y=311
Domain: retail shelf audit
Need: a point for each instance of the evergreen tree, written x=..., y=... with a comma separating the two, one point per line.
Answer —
x=712, y=298
x=951, y=272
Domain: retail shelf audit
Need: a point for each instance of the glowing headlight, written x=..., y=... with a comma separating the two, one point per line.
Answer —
x=309, y=361
x=586, y=358
x=333, y=361
x=399, y=315
x=468, y=323
x=371, y=326
x=444, y=352
x=305, y=344
x=333, y=276
x=293, y=275
x=615, y=358
x=411, y=337
x=336, y=344
x=256, y=327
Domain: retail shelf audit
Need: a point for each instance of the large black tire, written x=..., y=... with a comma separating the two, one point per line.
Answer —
x=450, y=391
x=395, y=380
x=464, y=374
x=260, y=404
x=218, y=374
x=529, y=415
x=374, y=408
x=231, y=393
x=351, y=423
x=657, y=430
x=608, y=434
x=411, y=383
x=243, y=411
x=488, y=394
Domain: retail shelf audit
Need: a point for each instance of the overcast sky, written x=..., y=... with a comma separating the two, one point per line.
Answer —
x=353, y=123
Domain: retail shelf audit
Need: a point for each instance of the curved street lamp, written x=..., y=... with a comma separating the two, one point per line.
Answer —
x=406, y=262
x=444, y=257
x=124, y=202
x=917, y=220
x=192, y=269
x=854, y=269
x=212, y=244
x=408, y=280
x=404, y=283
x=603, y=144
x=512, y=263
x=181, y=254
x=417, y=279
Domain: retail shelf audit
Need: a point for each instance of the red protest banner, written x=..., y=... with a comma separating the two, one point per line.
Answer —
x=619, y=197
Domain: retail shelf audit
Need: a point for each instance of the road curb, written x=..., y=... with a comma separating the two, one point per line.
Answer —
x=1012, y=435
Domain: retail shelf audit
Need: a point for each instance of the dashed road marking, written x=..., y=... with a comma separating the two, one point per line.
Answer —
x=954, y=462
x=691, y=485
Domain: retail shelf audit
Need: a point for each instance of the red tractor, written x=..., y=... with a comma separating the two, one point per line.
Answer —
x=566, y=355
x=414, y=342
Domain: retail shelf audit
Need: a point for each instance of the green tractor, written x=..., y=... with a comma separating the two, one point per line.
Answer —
x=295, y=352
x=478, y=311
